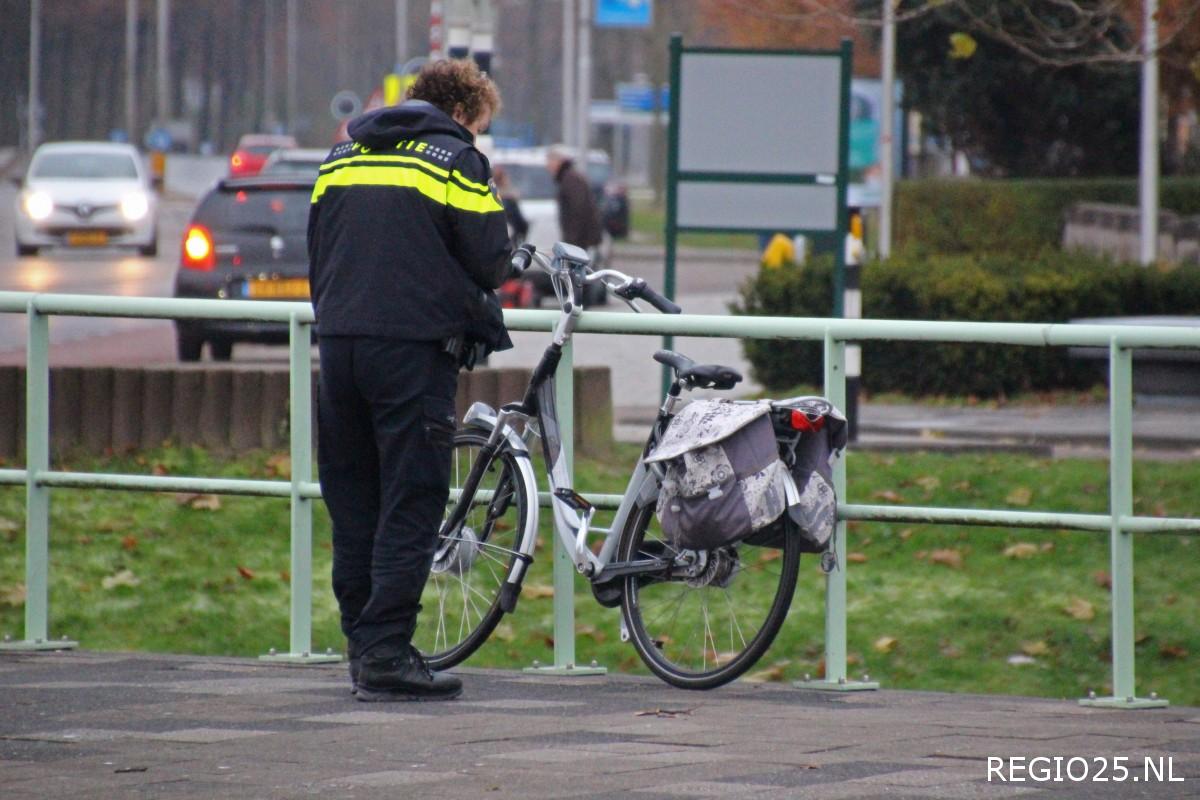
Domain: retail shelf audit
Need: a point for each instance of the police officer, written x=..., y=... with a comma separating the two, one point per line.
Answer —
x=406, y=238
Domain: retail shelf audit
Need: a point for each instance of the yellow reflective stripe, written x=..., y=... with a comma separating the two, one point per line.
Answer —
x=441, y=192
x=374, y=159
x=460, y=198
x=470, y=184
x=362, y=175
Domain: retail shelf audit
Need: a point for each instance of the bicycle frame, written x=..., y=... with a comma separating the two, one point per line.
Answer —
x=571, y=513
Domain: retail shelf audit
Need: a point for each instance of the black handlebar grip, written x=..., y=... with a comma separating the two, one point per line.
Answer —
x=521, y=259
x=658, y=301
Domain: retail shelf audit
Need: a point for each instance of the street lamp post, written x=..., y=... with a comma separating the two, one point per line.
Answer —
x=1148, y=169
x=131, y=10
x=568, y=72
x=887, y=164
x=163, y=35
x=584, y=89
x=35, y=69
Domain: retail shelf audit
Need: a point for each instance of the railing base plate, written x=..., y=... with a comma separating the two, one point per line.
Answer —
x=1124, y=702
x=569, y=670
x=838, y=686
x=302, y=658
x=33, y=645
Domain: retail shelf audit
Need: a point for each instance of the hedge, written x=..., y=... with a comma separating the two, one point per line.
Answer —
x=1001, y=287
x=1017, y=216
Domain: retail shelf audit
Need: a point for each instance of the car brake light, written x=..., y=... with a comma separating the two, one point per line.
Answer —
x=198, y=249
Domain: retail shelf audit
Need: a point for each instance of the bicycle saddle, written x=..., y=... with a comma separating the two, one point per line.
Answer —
x=699, y=376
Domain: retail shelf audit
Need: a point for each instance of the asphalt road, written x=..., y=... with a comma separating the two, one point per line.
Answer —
x=706, y=284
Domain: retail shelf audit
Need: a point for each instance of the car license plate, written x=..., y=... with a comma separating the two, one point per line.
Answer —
x=274, y=288
x=87, y=238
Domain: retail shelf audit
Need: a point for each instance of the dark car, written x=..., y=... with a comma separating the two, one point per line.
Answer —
x=245, y=241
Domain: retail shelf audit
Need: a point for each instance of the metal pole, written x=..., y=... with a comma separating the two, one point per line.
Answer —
x=437, y=30
x=1148, y=168
x=584, y=88
x=835, y=581
x=887, y=165
x=268, y=120
x=131, y=10
x=292, y=36
x=671, y=231
x=163, y=77
x=401, y=33
x=35, y=70
x=300, y=419
x=568, y=72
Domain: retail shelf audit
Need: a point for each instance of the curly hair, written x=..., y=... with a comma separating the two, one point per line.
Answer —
x=456, y=86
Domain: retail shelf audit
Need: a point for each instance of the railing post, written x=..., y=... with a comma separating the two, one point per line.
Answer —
x=564, y=565
x=835, y=582
x=1120, y=480
x=300, y=411
x=37, y=497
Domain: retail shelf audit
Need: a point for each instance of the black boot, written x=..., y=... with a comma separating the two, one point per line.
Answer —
x=405, y=677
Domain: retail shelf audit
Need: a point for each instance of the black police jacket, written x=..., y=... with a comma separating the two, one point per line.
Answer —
x=406, y=236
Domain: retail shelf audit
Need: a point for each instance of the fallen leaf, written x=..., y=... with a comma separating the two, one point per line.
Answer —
x=665, y=713
x=1046, y=547
x=906, y=534
x=85, y=539
x=285, y=576
x=951, y=651
x=889, y=496
x=962, y=486
x=13, y=595
x=1021, y=660
x=1102, y=579
x=1080, y=609
x=949, y=557
x=505, y=632
x=592, y=632
x=1021, y=550
x=1035, y=648
x=208, y=502
x=1160, y=510
x=160, y=469
x=1019, y=496
x=280, y=465
x=122, y=578
x=856, y=558
x=770, y=554
x=768, y=675
x=929, y=482
x=1172, y=651
x=536, y=591
x=885, y=644
x=245, y=572
x=852, y=660
x=129, y=542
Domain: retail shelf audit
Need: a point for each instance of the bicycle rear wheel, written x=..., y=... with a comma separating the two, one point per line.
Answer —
x=461, y=602
x=703, y=629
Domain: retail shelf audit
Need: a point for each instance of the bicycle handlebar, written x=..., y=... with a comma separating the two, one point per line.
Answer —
x=637, y=287
x=628, y=290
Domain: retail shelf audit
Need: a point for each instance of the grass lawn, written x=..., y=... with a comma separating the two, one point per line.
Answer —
x=931, y=607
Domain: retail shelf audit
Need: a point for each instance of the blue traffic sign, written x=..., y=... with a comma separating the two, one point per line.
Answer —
x=624, y=13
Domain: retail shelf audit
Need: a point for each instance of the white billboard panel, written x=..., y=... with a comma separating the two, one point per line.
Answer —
x=759, y=113
x=757, y=206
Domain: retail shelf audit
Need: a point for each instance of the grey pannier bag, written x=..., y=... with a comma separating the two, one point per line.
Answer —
x=723, y=478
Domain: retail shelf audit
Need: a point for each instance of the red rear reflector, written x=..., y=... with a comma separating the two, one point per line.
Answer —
x=198, y=249
x=801, y=422
x=240, y=197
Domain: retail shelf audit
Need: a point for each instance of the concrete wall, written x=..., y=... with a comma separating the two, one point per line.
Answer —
x=1113, y=230
x=229, y=408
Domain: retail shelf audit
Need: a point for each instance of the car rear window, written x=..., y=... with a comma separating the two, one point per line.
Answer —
x=531, y=181
x=84, y=166
x=260, y=149
x=282, y=210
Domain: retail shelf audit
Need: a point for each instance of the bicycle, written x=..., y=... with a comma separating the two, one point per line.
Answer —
x=698, y=619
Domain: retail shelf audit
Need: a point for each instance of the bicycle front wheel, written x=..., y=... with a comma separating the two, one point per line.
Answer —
x=708, y=624
x=461, y=602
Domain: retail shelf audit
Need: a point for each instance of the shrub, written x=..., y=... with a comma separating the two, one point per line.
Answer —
x=1016, y=216
x=1049, y=287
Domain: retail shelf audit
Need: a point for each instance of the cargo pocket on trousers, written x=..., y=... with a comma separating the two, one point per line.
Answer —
x=438, y=420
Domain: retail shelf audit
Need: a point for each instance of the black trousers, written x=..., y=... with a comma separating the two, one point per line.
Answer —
x=385, y=424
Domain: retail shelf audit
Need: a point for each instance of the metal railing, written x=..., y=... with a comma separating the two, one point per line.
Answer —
x=1120, y=522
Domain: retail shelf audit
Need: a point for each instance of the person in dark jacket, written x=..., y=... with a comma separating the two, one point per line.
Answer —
x=406, y=240
x=578, y=218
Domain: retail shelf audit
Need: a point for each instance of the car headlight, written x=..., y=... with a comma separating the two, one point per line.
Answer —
x=134, y=206
x=38, y=205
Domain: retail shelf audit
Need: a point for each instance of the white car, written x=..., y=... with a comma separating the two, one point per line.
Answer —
x=86, y=194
